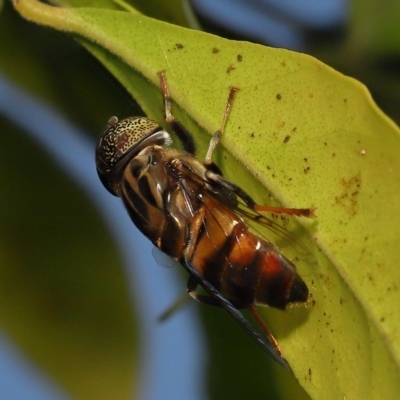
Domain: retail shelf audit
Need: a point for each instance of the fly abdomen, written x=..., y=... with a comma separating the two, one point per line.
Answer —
x=279, y=283
x=256, y=273
x=224, y=252
x=241, y=265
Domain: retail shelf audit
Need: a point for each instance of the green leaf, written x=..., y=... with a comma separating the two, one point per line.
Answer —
x=310, y=137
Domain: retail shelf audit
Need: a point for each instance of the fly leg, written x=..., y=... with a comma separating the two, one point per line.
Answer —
x=218, y=300
x=183, y=134
x=178, y=303
x=264, y=327
x=211, y=301
x=208, y=163
x=231, y=187
x=213, y=174
x=299, y=212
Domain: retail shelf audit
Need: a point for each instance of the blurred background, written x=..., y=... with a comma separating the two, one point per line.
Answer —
x=80, y=291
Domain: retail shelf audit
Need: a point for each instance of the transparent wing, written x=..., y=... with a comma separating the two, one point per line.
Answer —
x=244, y=206
x=259, y=223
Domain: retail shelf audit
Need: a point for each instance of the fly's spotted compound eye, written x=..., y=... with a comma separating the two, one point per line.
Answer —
x=121, y=137
x=121, y=141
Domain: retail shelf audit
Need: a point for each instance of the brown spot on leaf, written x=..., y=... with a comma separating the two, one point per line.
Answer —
x=348, y=198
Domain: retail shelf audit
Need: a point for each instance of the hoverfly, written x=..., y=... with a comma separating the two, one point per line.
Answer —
x=197, y=217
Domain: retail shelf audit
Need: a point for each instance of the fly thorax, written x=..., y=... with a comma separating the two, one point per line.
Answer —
x=148, y=170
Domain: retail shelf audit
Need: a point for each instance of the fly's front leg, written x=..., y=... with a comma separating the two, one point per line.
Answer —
x=217, y=135
x=184, y=136
x=195, y=225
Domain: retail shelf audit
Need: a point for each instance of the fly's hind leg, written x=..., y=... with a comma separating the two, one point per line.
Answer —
x=299, y=212
x=216, y=299
x=184, y=136
x=239, y=192
x=211, y=301
x=264, y=328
